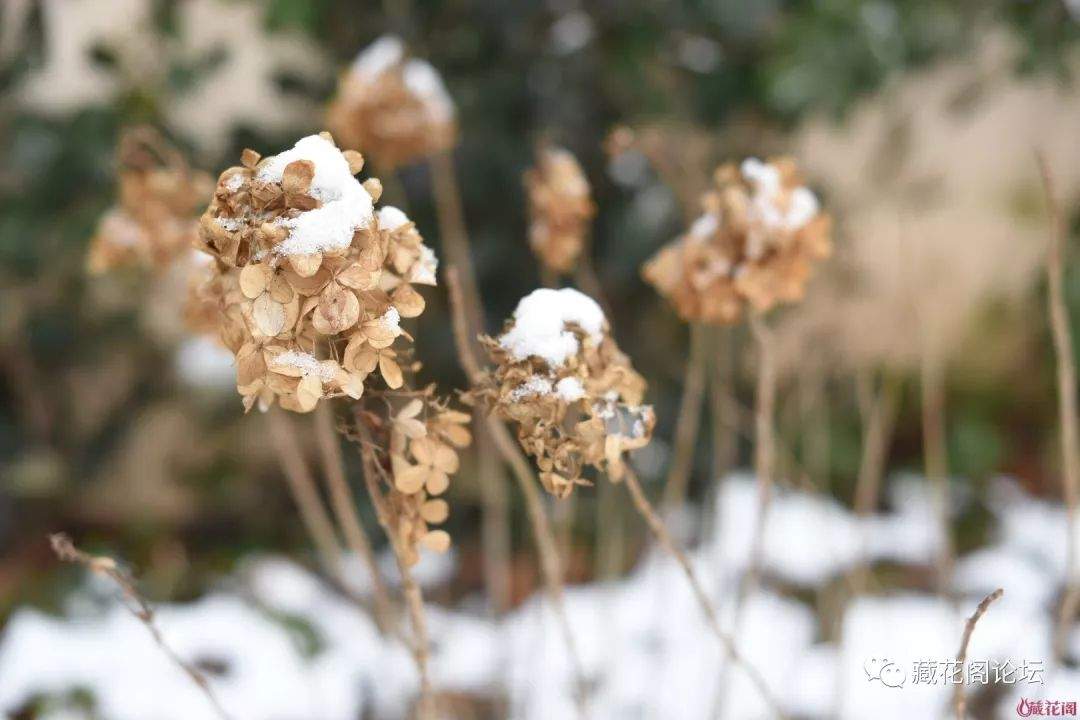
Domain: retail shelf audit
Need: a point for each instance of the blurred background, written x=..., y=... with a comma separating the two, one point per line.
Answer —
x=916, y=123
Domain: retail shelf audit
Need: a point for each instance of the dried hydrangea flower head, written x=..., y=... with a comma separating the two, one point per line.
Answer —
x=155, y=220
x=394, y=108
x=560, y=209
x=310, y=280
x=573, y=395
x=756, y=243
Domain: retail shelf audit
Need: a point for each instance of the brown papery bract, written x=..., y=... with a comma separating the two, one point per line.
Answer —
x=560, y=209
x=754, y=245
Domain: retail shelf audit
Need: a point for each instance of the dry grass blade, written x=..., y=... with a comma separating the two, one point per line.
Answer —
x=959, y=699
x=663, y=536
x=65, y=550
x=1066, y=377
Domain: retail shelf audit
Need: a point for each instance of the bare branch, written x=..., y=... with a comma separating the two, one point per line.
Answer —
x=959, y=698
x=65, y=550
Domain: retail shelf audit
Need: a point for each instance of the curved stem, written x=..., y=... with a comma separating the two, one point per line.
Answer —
x=663, y=536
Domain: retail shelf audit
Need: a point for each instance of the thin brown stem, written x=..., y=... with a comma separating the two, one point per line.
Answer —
x=932, y=388
x=544, y=538
x=721, y=381
x=688, y=423
x=420, y=644
x=304, y=490
x=878, y=425
x=344, y=507
x=611, y=529
x=959, y=698
x=455, y=239
x=1067, y=405
x=495, y=525
x=764, y=441
x=586, y=278
x=138, y=606
x=455, y=242
x=663, y=536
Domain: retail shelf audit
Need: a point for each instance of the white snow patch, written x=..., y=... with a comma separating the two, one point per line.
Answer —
x=378, y=57
x=203, y=362
x=346, y=205
x=424, y=81
x=765, y=205
x=391, y=218
x=540, y=325
x=570, y=389
x=535, y=385
x=306, y=363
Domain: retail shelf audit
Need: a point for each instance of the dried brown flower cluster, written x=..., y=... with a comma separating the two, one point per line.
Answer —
x=394, y=108
x=756, y=243
x=155, y=220
x=309, y=281
x=573, y=395
x=560, y=209
x=424, y=436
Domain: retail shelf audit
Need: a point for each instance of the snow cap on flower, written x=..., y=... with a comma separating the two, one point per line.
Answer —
x=393, y=107
x=558, y=374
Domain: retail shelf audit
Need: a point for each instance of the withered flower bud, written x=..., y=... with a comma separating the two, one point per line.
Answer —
x=393, y=108
x=756, y=243
x=560, y=209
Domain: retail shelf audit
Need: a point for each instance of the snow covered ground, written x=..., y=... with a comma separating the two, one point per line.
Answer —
x=282, y=647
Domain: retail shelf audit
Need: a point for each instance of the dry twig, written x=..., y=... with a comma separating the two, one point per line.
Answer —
x=65, y=550
x=959, y=699
x=663, y=536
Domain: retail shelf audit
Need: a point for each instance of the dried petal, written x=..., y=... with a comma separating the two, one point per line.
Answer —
x=254, y=279
x=269, y=316
x=436, y=541
x=411, y=479
x=435, y=511
x=339, y=307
